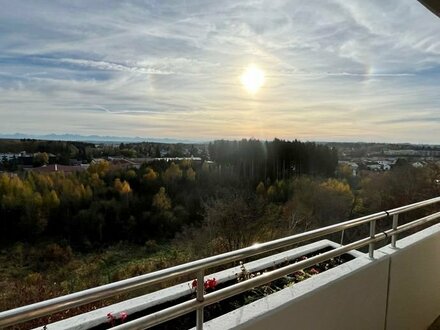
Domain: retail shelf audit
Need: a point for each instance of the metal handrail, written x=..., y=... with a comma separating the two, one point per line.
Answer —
x=216, y=296
x=25, y=313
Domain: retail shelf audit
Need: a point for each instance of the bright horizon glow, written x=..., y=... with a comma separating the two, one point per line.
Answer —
x=252, y=79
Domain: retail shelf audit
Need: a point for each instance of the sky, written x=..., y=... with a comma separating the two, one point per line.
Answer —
x=334, y=70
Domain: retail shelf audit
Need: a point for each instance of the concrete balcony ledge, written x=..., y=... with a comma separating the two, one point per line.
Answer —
x=414, y=288
x=330, y=300
x=99, y=316
x=398, y=289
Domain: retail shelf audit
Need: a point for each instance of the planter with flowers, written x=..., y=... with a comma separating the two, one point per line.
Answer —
x=125, y=311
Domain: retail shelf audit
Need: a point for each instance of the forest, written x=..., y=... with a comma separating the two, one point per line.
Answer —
x=66, y=232
x=153, y=202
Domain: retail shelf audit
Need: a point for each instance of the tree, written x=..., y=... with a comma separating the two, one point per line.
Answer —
x=40, y=159
x=122, y=187
x=161, y=201
x=190, y=174
x=150, y=175
x=157, y=152
x=320, y=204
x=261, y=189
x=172, y=173
x=233, y=222
x=100, y=167
x=335, y=201
x=402, y=185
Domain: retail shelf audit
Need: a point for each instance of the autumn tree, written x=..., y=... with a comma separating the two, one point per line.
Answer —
x=122, y=187
x=317, y=204
x=161, y=201
x=190, y=174
x=261, y=189
x=101, y=167
x=172, y=173
x=150, y=175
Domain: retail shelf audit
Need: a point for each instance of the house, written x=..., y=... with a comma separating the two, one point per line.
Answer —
x=123, y=163
x=374, y=167
x=354, y=167
x=53, y=168
x=418, y=164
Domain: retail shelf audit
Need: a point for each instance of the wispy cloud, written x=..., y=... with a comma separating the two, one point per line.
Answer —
x=337, y=70
x=103, y=65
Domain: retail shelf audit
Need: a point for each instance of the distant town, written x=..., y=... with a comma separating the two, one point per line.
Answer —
x=63, y=156
x=382, y=156
x=73, y=156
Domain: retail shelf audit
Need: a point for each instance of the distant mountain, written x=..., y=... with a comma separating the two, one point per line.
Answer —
x=92, y=138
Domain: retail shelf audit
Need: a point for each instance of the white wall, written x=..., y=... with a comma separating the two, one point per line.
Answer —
x=414, y=289
x=355, y=295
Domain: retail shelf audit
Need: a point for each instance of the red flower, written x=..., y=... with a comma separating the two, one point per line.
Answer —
x=111, y=319
x=210, y=283
x=123, y=316
x=313, y=271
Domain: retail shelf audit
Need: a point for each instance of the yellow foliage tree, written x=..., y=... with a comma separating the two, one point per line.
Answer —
x=337, y=186
x=51, y=199
x=100, y=167
x=261, y=189
x=150, y=175
x=190, y=174
x=185, y=163
x=271, y=191
x=172, y=173
x=122, y=187
x=161, y=201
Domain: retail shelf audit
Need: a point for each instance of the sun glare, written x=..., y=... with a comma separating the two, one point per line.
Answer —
x=252, y=78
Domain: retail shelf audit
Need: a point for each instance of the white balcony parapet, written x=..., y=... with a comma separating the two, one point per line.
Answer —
x=398, y=290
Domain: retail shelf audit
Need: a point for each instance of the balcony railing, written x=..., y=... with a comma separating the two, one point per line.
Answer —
x=199, y=267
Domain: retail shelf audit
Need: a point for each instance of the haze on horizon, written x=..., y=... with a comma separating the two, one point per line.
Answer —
x=333, y=71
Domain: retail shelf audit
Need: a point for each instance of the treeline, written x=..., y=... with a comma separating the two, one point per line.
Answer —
x=84, y=151
x=157, y=150
x=62, y=150
x=34, y=146
x=276, y=160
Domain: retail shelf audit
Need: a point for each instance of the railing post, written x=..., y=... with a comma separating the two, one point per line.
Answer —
x=372, y=233
x=200, y=298
x=395, y=224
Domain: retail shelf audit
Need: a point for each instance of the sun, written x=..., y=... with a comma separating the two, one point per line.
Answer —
x=252, y=78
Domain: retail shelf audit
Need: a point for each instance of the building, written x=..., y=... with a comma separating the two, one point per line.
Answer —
x=54, y=168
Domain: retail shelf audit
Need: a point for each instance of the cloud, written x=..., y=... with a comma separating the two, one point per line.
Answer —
x=103, y=65
x=334, y=70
